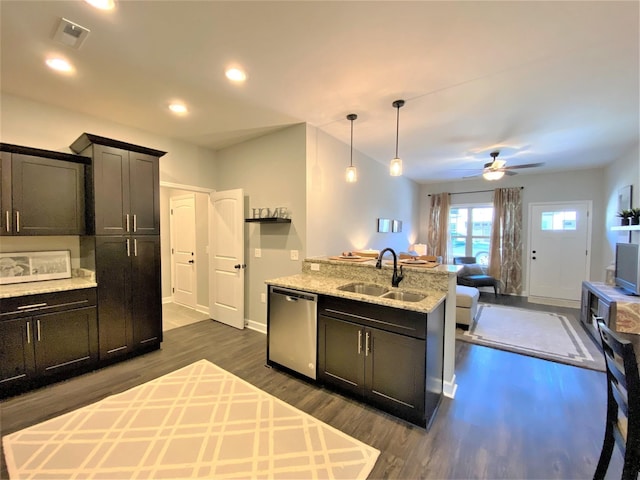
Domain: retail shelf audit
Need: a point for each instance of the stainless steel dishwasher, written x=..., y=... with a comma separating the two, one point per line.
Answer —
x=292, y=329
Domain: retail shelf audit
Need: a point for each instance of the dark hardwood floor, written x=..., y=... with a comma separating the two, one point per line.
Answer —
x=514, y=417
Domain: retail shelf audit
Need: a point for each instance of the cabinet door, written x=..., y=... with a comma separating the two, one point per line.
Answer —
x=113, y=275
x=395, y=373
x=47, y=196
x=146, y=290
x=6, y=211
x=17, y=361
x=111, y=190
x=340, y=354
x=144, y=186
x=65, y=340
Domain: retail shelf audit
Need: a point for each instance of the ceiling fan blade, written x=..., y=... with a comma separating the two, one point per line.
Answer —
x=509, y=172
x=526, y=165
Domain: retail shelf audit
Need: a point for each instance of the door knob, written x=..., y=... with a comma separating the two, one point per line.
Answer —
x=238, y=266
x=191, y=261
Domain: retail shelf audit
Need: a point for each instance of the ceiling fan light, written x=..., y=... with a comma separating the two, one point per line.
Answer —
x=395, y=169
x=351, y=175
x=493, y=175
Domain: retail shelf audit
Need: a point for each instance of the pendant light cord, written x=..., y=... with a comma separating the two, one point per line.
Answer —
x=351, y=159
x=397, y=127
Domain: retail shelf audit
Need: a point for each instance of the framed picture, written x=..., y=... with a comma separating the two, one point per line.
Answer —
x=384, y=225
x=624, y=203
x=396, y=226
x=20, y=267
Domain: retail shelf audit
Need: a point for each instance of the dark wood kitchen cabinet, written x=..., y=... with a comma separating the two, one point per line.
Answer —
x=46, y=337
x=129, y=294
x=124, y=186
x=43, y=192
x=390, y=358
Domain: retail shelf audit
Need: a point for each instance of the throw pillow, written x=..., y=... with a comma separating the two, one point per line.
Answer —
x=473, y=269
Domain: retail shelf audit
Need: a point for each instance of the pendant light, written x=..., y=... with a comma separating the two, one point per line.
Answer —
x=395, y=169
x=352, y=174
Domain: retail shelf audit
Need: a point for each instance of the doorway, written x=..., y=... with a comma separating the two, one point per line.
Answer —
x=559, y=252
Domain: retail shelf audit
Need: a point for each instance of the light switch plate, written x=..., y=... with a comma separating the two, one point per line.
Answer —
x=315, y=267
x=258, y=252
x=294, y=254
x=263, y=298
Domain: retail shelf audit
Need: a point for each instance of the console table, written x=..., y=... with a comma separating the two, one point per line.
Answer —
x=618, y=311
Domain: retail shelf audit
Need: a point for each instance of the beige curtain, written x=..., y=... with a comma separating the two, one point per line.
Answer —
x=437, y=235
x=505, y=258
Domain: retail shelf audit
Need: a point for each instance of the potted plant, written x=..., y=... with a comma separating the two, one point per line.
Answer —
x=635, y=216
x=625, y=216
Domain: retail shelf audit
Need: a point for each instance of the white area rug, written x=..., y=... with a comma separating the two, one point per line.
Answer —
x=538, y=334
x=197, y=422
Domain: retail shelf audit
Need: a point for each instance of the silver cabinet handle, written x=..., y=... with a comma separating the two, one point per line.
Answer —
x=17, y=221
x=128, y=248
x=33, y=305
x=135, y=246
x=135, y=223
x=28, y=332
x=366, y=346
x=359, y=342
x=38, y=325
x=127, y=222
x=8, y=221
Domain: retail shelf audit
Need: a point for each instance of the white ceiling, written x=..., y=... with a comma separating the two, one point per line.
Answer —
x=553, y=82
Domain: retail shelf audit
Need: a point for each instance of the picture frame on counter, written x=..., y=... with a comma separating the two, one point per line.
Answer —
x=22, y=267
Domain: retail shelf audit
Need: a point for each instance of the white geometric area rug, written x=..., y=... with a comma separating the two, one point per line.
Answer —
x=197, y=422
x=537, y=334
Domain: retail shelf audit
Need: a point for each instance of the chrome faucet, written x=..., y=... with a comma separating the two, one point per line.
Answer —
x=396, y=279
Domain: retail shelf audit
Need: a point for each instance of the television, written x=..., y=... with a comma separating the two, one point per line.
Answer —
x=627, y=268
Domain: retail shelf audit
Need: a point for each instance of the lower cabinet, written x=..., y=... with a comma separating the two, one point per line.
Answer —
x=388, y=369
x=35, y=345
x=129, y=294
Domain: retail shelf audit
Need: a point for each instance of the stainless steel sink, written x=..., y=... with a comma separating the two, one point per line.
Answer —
x=364, y=289
x=404, y=296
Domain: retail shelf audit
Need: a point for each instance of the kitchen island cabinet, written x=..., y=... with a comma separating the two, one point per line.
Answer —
x=42, y=192
x=380, y=355
x=46, y=337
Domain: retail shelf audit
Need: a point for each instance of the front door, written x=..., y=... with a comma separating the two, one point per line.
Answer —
x=226, y=269
x=183, y=249
x=559, y=252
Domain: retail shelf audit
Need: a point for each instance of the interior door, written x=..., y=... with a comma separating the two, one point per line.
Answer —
x=183, y=249
x=559, y=253
x=226, y=246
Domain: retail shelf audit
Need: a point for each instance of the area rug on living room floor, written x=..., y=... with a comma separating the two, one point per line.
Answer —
x=197, y=422
x=546, y=335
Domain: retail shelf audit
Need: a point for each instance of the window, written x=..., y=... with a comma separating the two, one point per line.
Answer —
x=470, y=232
x=558, y=220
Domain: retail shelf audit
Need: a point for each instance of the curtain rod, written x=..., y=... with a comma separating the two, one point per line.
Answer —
x=474, y=191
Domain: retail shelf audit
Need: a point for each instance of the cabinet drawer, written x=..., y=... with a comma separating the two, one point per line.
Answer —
x=391, y=319
x=29, y=305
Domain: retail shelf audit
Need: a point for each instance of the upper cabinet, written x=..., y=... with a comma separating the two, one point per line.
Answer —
x=43, y=192
x=124, y=186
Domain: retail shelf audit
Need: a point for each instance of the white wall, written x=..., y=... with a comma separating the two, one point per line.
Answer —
x=271, y=171
x=343, y=216
x=557, y=187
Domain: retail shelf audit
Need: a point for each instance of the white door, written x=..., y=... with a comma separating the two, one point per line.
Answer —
x=226, y=271
x=183, y=249
x=559, y=254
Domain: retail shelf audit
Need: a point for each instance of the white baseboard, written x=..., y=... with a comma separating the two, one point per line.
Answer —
x=556, y=302
x=257, y=326
x=449, y=388
x=167, y=299
x=203, y=309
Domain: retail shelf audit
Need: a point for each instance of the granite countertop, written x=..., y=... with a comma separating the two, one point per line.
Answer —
x=327, y=285
x=81, y=279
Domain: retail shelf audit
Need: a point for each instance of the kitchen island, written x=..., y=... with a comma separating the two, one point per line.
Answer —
x=388, y=352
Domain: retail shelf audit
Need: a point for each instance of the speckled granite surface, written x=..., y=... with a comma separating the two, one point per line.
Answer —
x=432, y=282
x=628, y=308
x=81, y=278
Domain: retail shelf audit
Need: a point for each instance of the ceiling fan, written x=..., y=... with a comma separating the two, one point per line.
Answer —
x=496, y=169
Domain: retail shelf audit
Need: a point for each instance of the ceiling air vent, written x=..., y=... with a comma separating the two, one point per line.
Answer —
x=70, y=33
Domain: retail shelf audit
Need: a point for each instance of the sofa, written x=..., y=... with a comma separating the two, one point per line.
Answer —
x=466, y=305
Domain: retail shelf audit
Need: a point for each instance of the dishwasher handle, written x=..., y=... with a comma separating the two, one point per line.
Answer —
x=294, y=295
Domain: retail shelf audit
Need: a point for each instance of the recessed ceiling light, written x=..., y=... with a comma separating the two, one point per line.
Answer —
x=59, y=65
x=102, y=4
x=178, y=108
x=236, y=75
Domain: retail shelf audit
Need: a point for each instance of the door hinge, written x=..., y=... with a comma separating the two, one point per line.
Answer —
x=172, y=211
x=173, y=290
x=172, y=251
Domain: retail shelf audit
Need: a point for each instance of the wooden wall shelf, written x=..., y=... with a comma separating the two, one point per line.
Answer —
x=626, y=228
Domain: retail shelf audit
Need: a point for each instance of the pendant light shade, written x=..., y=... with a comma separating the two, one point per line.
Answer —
x=493, y=175
x=352, y=174
x=395, y=169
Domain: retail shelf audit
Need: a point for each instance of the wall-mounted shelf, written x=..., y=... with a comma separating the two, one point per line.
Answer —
x=268, y=220
x=626, y=228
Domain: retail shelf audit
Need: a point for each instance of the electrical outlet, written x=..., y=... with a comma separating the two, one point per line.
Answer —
x=258, y=253
x=294, y=254
x=263, y=298
x=315, y=267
